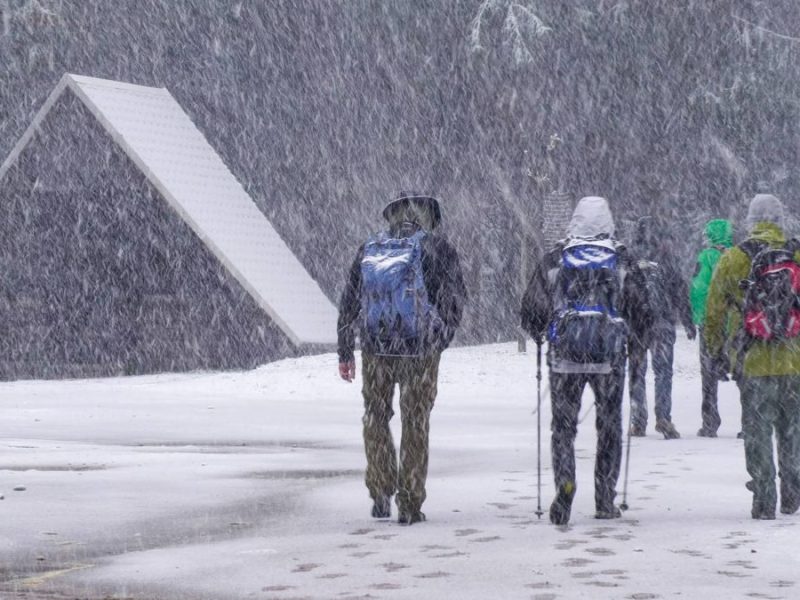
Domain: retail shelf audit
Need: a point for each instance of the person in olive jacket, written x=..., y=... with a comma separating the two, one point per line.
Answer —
x=718, y=234
x=767, y=371
x=412, y=363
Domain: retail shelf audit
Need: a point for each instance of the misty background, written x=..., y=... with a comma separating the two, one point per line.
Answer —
x=323, y=110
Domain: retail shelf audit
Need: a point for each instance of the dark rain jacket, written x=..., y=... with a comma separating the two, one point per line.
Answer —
x=538, y=303
x=444, y=282
x=671, y=302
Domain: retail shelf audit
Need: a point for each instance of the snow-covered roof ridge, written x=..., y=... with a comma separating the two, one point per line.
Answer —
x=153, y=130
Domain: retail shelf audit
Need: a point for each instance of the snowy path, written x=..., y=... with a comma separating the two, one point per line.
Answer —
x=249, y=485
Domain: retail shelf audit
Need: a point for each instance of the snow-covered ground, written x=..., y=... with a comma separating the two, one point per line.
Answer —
x=249, y=485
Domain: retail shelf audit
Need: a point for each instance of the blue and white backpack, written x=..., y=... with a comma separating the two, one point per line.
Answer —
x=398, y=317
x=587, y=333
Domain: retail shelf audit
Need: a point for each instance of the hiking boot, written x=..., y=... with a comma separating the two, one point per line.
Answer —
x=762, y=513
x=763, y=504
x=382, y=508
x=561, y=507
x=789, y=508
x=790, y=502
x=410, y=517
x=614, y=513
x=637, y=431
x=703, y=432
x=667, y=429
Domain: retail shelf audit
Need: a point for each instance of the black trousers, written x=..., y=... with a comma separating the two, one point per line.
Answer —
x=709, y=382
x=566, y=393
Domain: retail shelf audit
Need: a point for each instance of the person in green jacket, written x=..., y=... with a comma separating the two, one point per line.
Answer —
x=719, y=237
x=768, y=372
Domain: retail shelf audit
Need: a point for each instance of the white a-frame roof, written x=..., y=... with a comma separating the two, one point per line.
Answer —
x=154, y=131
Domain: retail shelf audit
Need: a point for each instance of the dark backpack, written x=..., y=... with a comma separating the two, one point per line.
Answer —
x=771, y=306
x=655, y=281
x=586, y=328
x=398, y=317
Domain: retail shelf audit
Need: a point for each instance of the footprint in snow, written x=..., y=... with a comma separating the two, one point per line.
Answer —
x=305, y=567
x=465, y=532
x=391, y=567
x=501, y=505
x=734, y=574
x=603, y=584
x=601, y=551
x=454, y=554
x=544, y=585
x=745, y=564
x=569, y=544
x=277, y=588
x=385, y=586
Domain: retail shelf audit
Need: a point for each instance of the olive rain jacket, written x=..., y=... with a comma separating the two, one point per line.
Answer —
x=719, y=235
x=723, y=312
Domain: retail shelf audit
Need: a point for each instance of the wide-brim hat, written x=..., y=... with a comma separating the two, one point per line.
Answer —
x=405, y=198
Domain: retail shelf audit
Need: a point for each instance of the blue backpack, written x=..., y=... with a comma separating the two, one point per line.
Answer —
x=398, y=318
x=586, y=328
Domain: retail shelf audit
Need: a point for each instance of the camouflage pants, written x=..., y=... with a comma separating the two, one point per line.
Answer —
x=417, y=378
x=772, y=403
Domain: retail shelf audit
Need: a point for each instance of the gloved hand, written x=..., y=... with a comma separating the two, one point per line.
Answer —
x=691, y=332
x=347, y=370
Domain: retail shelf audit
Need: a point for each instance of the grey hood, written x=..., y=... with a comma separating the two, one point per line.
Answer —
x=764, y=208
x=592, y=217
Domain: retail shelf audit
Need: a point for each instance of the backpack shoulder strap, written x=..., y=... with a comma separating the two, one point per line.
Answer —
x=793, y=245
x=752, y=247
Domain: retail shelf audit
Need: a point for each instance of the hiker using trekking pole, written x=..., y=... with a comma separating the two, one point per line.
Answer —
x=587, y=298
x=405, y=293
x=719, y=237
x=755, y=292
x=668, y=297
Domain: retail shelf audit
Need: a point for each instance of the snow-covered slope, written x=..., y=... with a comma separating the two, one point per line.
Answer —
x=249, y=485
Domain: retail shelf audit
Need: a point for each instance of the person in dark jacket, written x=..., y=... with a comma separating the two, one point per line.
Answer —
x=541, y=306
x=412, y=363
x=668, y=295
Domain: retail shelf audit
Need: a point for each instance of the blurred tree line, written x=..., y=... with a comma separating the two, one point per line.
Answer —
x=323, y=109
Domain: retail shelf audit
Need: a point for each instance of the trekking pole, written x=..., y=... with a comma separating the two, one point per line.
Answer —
x=624, y=505
x=539, y=511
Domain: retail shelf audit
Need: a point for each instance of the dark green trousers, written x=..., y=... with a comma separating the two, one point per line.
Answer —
x=417, y=379
x=772, y=403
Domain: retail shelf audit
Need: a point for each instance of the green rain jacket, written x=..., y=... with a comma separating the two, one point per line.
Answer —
x=719, y=234
x=723, y=312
